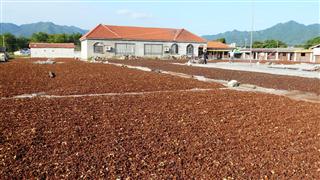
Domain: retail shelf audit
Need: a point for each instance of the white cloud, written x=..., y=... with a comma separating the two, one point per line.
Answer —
x=134, y=14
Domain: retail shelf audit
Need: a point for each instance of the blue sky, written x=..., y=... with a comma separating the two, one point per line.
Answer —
x=206, y=17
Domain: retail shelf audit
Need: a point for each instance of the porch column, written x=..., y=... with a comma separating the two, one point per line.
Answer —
x=266, y=56
x=295, y=56
x=289, y=54
x=277, y=55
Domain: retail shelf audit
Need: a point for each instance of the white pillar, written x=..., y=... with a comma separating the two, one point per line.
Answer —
x=295, y=56
x=289, y=54
x=266, y=56
x=277, y=55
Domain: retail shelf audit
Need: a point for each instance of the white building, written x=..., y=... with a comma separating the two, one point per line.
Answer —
x=282, y=54
x=52, y=50
x=316, y=53
x=110, y=41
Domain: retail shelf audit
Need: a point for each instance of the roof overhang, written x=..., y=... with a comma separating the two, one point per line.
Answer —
x=140, y=40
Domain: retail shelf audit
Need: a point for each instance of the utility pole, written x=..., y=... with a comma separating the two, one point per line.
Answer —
x=277, y=49
x=252, y=27
x=1, y=21
x=245, y=43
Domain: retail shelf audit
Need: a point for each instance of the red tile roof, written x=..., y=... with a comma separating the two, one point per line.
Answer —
x=51, y=45
x=217, y=45
x=142, y=34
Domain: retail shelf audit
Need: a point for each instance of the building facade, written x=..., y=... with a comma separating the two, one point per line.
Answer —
x=52, y=50
x=281, y=54
x=107, y=41
x=316, y=53
x=218, y=50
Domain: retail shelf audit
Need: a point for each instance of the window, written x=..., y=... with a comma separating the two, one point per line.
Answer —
x=190, y=50
x=125, y=48
x=284, y=54
x=98, y=48
x=153, y=49
x=174, y=49
x=303, y=54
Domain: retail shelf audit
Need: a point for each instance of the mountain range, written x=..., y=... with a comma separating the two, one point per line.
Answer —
x=28, y=29
x=292, y=33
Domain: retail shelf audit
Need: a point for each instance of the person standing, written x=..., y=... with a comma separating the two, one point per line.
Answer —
x=205, y=56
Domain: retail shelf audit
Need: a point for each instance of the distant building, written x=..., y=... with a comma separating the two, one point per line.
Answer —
x=282, y=54
x=52, y=50
x=108, y=41
x=218, y=50
x=316, y=53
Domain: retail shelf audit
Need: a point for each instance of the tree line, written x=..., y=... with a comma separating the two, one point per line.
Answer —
x=279, y=44
x=14, y=43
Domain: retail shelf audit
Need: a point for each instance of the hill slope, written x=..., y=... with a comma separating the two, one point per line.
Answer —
x=291, y=32
x=48, y=27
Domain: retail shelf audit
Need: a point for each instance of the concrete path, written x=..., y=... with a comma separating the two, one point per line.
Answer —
x=301, y=70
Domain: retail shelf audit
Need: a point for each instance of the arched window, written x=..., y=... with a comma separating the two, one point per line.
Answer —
x=98, y=48
x=190, y=50
x=174, y=49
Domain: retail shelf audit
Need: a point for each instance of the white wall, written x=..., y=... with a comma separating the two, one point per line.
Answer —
x=316, y=51
x=84, y=50
x=52, y=52
x=87, y=48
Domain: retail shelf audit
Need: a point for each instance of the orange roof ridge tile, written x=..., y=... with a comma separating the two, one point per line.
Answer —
x=111, y=31
x=177, y=34
x=90, y=32
x=142, y=34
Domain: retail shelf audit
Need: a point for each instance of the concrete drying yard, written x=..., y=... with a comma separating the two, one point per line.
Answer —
x=300, y=70
x=98, y=120
x=267, y=80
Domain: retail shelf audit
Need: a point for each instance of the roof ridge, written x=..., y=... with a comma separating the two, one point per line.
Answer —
x=157, y=32
x=88, y=33
x=178, y=34
x=111, y=31
x=149, y=27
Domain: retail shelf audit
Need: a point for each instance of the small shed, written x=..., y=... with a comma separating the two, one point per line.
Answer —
x=52, y=50
x=218, y=50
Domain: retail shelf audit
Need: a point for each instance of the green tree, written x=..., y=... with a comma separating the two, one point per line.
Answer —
x=10, y=42
x=269, y=44
x=39, y=37
x=274, y=44
x=257, y=44
x=74, y=38
x=22, y=42
x=223, y=40
x=312, y=42
x=58, y=38
x=13, y=43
